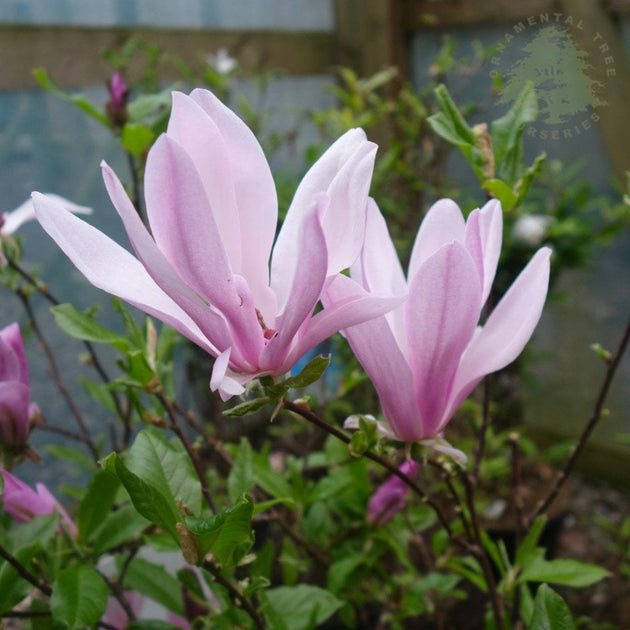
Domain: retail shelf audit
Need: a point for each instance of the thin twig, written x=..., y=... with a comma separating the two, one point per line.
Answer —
x=307, y=414
x=24, y=572
x=483, y=431
x=56, y=374
x=235, y=595
x=495, y=598
x=596, y=415
x=94, y=359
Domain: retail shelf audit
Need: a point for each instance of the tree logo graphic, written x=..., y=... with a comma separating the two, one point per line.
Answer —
x=570, y=81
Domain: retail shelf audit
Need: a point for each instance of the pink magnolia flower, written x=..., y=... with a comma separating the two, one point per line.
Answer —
x=390, y=496
x=17, y=412
x=427, y=355
x=116, y=616
x=23, y=503
x=207, y=267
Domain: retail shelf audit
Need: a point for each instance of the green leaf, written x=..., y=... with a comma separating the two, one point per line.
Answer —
x=449, y=120
x=122, y=525
x=263, y=506
x=340, y=572
x=311, y=373
x=154, y=582
x=228, y=534
x=148, y=501
x=563, y=571
x=79, y=596
x=246, y=408
x=78, y=100
x=40, y=528
x=524, y=184
x=527, y=548
x=507, y=134
x=82, y=326
x=501, y=191
x=137, y=138
x=303, y=606
x=550, y=611
x=165, y=465
x=69, y=454
x=96, y=503
x=240, y=479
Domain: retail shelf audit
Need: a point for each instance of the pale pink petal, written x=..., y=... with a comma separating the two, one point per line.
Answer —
x=442, y=224
x=113, y=269
x=484, y=233
x=212, y=324
x=305, y=290
x=193, y=129
x=254, y=189
x=378, y=269
x=509, y=326
x=442, y=311
x=185, y=231
x=220, y=380
x=376, y=349
x=13, y=220
x=349, y=158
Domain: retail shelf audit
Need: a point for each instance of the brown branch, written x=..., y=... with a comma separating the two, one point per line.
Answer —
x=235, y=595
x=590, y=425
x=313, y=418
x=24, y=572
x=56, y=374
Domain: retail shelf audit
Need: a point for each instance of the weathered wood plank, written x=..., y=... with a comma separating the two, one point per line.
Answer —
x=431, y=13
x=74, y=56
x=370, y=35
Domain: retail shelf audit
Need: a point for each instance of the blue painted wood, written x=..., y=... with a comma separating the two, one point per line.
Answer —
x=312, y=15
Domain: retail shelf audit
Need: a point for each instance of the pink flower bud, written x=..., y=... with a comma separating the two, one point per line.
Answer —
x=390, y=497
x=16, y=409
x=23, y=503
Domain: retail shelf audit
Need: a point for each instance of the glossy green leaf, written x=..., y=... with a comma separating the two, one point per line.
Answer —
x=154, y=582
x=137, y=139
x=303, y=606
x=96, y=503
x=241, y=475
x=550, y=611
x=78, y=100
x=562, y=571
x=248, y=407
x=228, y=534
x=82, y=326
x=501, y=191
x=147, y=500
x=79, y=596
x=166, y=466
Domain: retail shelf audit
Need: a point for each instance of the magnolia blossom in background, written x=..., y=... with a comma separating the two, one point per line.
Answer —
x=222, y=61
x=116, y=107
x=17, y=412
x=207, y=267
x=12, y=220
x=390, y=497
x=23, y=503
x=531, y=229
x=427, y=355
